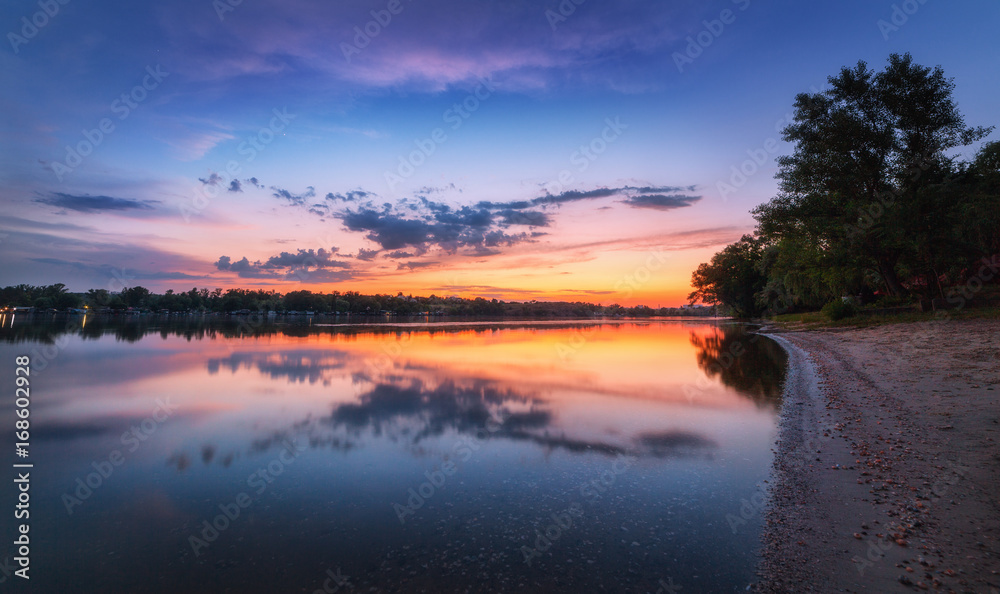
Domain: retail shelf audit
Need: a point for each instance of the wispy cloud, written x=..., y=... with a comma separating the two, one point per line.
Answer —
x=91, y=204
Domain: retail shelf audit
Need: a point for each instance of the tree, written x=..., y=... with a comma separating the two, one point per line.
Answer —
x=733, y=277
x=98, y=297
x=134, y=296
x=870, y=156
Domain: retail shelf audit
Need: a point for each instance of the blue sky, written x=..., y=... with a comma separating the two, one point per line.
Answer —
x=601, y=74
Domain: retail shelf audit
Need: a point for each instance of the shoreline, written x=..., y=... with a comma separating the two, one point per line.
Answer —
x=887, y=464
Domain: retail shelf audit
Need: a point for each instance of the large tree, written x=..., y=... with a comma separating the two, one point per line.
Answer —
x=733, y=277
x=871, y=153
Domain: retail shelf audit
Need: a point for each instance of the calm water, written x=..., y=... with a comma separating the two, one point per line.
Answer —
x=194, y=456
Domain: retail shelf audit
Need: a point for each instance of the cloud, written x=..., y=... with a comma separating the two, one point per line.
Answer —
x=366, y=255
x=399, y=254
x=639, y=197
x=661, y=201
x=476, y=230
x=352, y=196
x=318, y=266
x=435, y=46
x=574, y=196
x=116, y=273
x=511, y=216
x=439, y=226
x=297, y=199
x=211, y=180
x=319, y=259
x=88, y=204
x=253, y=181
x=235, y=186
x=192, y=145
x=414, y=265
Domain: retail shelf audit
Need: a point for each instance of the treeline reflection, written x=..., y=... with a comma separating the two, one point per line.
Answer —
x=47, y=329
x=753, y=365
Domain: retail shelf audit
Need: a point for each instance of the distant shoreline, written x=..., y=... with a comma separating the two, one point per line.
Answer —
x=886, y=461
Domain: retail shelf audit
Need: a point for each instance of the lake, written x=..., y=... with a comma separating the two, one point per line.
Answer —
x=220, y=455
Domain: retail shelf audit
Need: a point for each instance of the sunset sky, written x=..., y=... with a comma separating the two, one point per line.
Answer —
x=515, y=149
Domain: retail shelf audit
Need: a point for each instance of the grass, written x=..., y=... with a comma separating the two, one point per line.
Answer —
x=816, y=320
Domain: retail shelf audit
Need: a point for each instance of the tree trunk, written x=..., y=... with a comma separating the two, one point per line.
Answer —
x=887, y=270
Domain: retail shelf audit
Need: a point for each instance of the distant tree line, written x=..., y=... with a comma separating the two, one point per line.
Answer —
x=348, y=302
x=872, y=202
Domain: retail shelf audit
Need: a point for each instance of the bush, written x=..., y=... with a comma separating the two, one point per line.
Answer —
x=892, y=301
x=838, y=309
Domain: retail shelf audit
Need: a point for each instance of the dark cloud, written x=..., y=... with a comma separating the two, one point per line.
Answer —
x=255, y=183
x=388, y=230
x=414, y=265
x=319, y=259
x=298, y=199
x=531, y=218
x=366, y=255
x=436, y=190
x=639, y=197
x=477, y=230
x=574, y=196
x=320, y=275
x=661, y=201
x=87, y=203
x=432, y=224
x=317, y=266
x=399, y=254
x=352, y=196
x=211, y=180
x=659, y=189
x=235, y=186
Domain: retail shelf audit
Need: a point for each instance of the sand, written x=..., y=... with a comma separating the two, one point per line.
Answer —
x=887, y=474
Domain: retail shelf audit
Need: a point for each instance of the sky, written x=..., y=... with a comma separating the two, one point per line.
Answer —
x=575, y=150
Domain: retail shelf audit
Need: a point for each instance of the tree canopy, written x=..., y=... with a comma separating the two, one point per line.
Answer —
x=873, y=198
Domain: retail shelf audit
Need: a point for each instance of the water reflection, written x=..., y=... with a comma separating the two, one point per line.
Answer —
x=378, y=410
x=748, y=362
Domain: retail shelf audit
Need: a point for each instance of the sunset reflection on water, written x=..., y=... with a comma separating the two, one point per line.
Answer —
x=374, y=410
